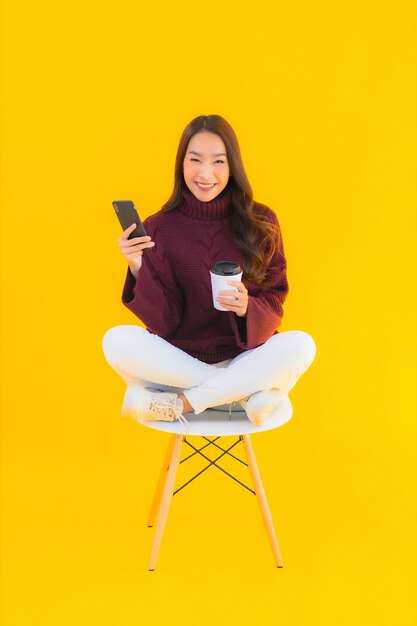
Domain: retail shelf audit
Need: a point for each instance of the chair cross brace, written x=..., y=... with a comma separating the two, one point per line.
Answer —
x=165, y=487
x=213, y=462
x=212, y=441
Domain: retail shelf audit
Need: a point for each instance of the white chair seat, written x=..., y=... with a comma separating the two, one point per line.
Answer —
x=217, y=423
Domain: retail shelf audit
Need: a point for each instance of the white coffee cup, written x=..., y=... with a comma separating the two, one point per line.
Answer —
x=221, y=273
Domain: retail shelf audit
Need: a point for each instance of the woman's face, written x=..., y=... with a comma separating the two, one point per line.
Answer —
x=206, y=162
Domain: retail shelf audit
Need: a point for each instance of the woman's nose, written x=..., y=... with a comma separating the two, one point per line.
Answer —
x=206, y=170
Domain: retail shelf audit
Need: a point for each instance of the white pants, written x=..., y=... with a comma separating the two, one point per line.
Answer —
x=149, y=361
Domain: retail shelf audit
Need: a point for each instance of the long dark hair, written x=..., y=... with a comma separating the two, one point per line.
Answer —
x=254, y=235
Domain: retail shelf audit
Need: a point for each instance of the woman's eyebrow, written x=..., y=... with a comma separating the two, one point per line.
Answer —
x=196, y=153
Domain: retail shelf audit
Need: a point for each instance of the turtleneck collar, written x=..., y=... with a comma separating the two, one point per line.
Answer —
x=215, y=209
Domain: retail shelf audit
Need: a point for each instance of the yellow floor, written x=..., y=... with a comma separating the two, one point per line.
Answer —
x=76, y=543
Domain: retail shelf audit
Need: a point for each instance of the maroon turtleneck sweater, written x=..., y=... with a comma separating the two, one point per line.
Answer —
x=172, y=295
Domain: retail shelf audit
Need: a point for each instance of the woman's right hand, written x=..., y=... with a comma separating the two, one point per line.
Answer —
x=132, y=249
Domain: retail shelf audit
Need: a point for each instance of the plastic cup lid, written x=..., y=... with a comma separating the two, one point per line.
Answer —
x=226, y=268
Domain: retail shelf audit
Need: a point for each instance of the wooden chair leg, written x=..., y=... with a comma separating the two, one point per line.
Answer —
x=166, y=500
x=261, y=497
x=161, y=481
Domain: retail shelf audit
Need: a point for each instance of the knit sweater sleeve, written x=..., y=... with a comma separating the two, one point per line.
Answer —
x=155, y=297
x=265, y=306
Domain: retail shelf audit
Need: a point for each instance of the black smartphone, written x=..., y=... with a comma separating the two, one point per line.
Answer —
x=127, y=214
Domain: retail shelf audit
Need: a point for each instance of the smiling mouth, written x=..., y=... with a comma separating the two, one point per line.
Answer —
x=205, y=187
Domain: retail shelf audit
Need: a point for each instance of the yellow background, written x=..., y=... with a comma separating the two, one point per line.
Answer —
x=95, y=97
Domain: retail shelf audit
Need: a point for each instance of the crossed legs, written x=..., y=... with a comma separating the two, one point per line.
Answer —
x=150, y=362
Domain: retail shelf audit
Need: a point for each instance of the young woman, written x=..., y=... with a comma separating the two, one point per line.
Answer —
x=191, y=355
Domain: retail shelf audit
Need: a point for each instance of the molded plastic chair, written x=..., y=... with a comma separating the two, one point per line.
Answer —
x=216, y=422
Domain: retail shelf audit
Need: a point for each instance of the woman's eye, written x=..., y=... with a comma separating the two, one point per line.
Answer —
x=218, y=160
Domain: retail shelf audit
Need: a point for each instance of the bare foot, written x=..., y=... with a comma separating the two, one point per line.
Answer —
x=187, y=405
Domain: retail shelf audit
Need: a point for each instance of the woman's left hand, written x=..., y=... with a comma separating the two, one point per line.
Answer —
x=239, y=304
